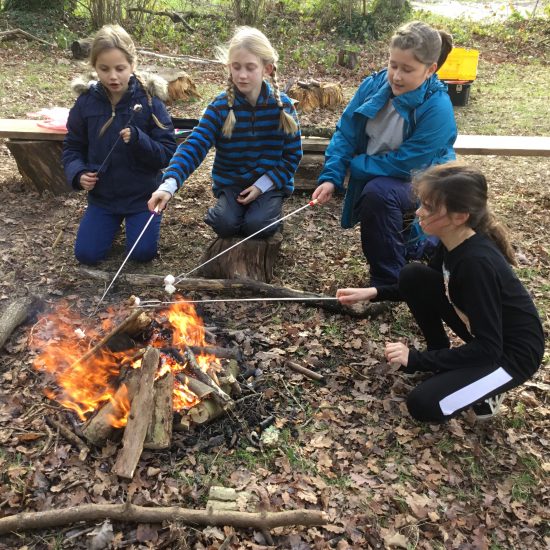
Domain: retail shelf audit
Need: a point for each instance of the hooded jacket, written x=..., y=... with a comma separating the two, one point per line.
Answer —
x=133, y=170
x=429, y=132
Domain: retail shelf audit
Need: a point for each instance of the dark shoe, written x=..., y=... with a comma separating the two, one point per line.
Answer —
x=489, y=407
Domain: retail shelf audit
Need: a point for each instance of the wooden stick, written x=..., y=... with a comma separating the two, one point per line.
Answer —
x=159, y=432
x=244, y=285
x=25, y=521
x=67, y=433
x=222, y=353
x=305, y=371
x=119, y=328
x=141, y=412
x=13, y=33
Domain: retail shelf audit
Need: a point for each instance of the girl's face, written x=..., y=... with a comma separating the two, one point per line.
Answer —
x=434, y=220
x=114, y=71
x=247, y=73
x=405, y=72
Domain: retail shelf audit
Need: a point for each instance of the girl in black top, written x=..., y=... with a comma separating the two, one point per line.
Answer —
x=472, y=288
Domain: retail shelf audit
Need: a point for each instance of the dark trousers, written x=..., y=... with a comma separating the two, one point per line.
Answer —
x=451, y=389
x=99, y=227
x=383, y=203
x=228, y=218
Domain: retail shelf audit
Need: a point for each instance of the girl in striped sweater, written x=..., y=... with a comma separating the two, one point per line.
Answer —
x=254, y=127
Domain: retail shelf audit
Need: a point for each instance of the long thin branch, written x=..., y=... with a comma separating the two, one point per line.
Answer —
x=188, y=58
x=140, y=514
x=8, y=35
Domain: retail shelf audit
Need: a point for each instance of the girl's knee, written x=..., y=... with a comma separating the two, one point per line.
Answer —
x=423, y=407
x=87, y=256
x=252, y=226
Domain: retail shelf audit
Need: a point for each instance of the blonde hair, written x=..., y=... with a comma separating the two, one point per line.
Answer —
x=257, y=44
x=111, y=37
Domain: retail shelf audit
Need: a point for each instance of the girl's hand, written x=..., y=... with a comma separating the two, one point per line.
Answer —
x=248, y=195
x=158, y=201
x=396, y=352
x=88, y=180
x=353, y=295
x=126, y=134
x=324, y=192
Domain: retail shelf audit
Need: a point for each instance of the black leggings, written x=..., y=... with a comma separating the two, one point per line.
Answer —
x=448, y=392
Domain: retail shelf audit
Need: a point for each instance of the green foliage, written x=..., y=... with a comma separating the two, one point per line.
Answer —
x=386, y=15
x=32, y=5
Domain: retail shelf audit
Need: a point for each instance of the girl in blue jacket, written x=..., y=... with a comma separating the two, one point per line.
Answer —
x=399, y=121
x=116, y=151
x=254, y=128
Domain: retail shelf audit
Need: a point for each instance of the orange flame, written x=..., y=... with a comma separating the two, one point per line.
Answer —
x=84, y=386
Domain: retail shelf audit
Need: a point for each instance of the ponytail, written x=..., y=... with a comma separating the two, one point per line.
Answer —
x=446, y=47
x=490, y=226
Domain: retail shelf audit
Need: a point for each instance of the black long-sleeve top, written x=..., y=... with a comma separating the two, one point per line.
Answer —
x=501, y=315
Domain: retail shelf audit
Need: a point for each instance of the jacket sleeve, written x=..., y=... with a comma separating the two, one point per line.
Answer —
x=155, y=148
x=191, y=153
x=476, y=285
x=75, y=145
x=343, y=145
x=434, y=132
x=282, y=174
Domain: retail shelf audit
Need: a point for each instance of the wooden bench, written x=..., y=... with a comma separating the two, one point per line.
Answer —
x=524, y=146
x=37, y=152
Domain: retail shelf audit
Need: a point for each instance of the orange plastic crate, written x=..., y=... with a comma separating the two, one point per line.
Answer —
x=460, y=65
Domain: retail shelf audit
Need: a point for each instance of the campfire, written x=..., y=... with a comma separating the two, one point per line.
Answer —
x=136, y=373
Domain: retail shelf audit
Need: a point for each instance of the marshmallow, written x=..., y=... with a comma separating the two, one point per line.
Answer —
x=80, y=333
x=170, y=289
x=169, y=280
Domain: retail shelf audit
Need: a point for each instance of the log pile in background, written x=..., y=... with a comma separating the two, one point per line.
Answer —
x=316, y=95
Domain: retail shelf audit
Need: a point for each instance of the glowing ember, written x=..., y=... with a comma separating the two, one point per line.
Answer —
x=62, y=339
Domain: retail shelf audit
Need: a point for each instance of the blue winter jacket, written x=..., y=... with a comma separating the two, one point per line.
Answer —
x=133, y=171
x=429, y=135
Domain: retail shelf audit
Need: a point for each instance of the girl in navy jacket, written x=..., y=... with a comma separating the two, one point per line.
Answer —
x=105, y=116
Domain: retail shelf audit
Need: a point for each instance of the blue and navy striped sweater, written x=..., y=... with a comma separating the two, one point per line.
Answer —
x=256, y=148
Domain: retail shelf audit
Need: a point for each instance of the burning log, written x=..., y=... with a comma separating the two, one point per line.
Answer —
x=218, y=394
x=229, y=382
x=159, y=432
x=141, y=412
x=130, y=513
x=100, y=427
x=129, y=322
x=205, y=411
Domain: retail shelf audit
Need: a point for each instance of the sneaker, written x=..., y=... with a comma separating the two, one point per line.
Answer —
x=488, y=407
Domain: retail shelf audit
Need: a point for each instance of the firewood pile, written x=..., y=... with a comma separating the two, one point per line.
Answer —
x=151, y=375
x=313, y=95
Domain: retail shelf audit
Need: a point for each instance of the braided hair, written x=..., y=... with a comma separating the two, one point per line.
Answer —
x=463, y=189
x=256, y=43
x=108, y=38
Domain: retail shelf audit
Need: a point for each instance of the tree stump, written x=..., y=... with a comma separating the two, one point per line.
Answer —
x=81, y=48
x=39, y=162
x=254, y=259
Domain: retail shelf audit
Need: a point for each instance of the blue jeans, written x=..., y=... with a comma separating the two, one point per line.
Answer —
x=99, y=227
x=228, y=218
x=382, y=205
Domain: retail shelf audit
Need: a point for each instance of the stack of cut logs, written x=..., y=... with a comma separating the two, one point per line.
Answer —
x=150, y=394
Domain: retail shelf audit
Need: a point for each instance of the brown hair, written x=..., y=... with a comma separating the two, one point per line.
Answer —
x=463, y=189
x=428, y=45
x=108, y=38
x=255, y=42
